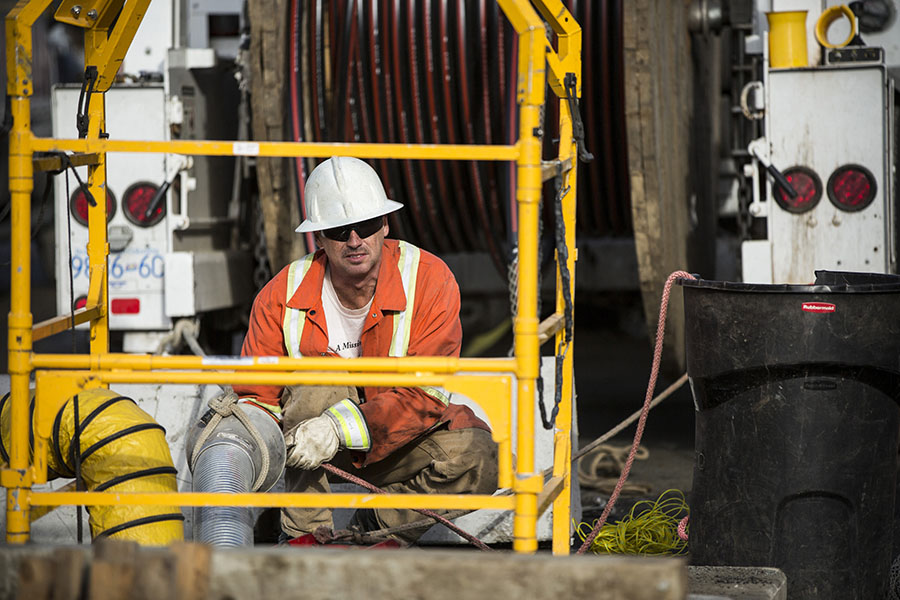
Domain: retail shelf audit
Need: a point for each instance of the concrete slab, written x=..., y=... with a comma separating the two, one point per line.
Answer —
x=442, y=574
x=737, y=583
x=324, y=573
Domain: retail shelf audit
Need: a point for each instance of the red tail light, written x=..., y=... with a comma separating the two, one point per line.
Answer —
x=851, y=188
x=136, y=202
x=80, y=302
x=125, y=306
x=808, y=187
x=78, y=204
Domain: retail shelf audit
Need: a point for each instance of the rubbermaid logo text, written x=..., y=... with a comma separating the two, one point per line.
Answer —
x=818, y=307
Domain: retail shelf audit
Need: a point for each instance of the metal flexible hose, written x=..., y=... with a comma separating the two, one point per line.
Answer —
x=223, y=468
x=234, y=448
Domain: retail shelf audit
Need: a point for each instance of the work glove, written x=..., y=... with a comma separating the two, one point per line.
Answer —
x=312, y=443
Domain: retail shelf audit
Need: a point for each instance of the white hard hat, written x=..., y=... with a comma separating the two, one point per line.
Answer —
x=344, y=190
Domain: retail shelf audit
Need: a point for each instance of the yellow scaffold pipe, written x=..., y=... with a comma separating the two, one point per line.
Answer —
x=17, y=478
x=530, y=94
x=148, y=362
x=569, y=37
x=286, y=149
x=97, y=45
x=296, y=499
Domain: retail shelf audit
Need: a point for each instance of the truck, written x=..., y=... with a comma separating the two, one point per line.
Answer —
x=176, y=255
x=824, y=171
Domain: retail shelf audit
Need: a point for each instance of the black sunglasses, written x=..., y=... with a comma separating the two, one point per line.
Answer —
x=362, y=228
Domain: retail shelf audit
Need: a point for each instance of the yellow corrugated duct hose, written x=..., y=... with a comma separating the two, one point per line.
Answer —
x=122, y=449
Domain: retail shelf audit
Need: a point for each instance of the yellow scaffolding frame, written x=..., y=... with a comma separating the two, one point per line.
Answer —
x=109, y=29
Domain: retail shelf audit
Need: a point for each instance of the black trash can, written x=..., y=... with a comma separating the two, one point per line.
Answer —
x=796, y=390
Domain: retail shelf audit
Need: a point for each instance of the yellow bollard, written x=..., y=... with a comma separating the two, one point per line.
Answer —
x=787, y=39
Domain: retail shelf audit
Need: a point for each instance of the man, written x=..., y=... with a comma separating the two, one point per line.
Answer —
x=363, y=295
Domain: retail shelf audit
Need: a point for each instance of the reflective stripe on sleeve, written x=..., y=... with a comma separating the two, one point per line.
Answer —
x=409, y=270
x=294, y=319
x=352, y=425
x=272, y=409
x=438, y=393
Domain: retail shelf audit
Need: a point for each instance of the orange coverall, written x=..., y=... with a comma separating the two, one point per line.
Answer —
x=395, y=416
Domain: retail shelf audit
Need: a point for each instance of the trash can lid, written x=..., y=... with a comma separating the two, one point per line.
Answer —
x=825, y=282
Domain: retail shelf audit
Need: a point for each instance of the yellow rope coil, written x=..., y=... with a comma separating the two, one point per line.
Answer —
x=650, y=528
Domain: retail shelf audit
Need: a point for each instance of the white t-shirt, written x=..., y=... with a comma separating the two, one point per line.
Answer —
x=344, y=324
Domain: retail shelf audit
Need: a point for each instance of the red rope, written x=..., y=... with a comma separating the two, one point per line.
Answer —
x=642, y=421
x=424, y=511
x=651, y=387
x=682, y=528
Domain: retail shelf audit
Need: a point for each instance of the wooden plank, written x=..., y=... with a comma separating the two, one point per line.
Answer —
x=552, y=168
x=69, y=573
x=658, y=111
x=55, y=163
x=55, y=325
x=113, y=570
x=269, y=21
x=192, y=570
x=551, y=490
x=36, y=575
x=549, y=326
x=156, y=576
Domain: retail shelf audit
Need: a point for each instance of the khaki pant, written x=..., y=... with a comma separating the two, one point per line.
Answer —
x=443, y=462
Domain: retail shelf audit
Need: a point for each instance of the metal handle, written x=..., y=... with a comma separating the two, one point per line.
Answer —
x=782, y=181
x=158, y=198
x=757, y=149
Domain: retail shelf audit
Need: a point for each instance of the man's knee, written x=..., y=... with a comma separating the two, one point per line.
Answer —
x=467, y=461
